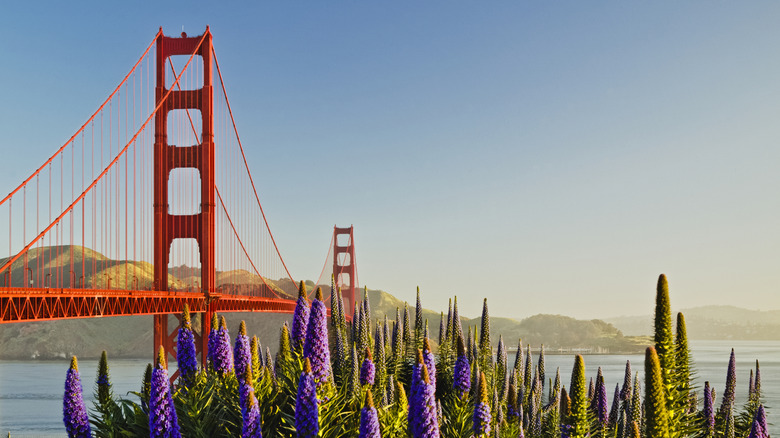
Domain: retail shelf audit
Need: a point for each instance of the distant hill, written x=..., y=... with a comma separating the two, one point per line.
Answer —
x=556, y=332
x=131, y=336
x=712, y=323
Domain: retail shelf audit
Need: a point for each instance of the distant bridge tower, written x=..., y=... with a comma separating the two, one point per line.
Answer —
x=199, y=226
x=344, y=268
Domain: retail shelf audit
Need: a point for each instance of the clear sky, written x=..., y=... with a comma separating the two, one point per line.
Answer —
x=554, y=157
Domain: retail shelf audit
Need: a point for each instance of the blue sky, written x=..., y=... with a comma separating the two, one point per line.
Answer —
x=554, y=157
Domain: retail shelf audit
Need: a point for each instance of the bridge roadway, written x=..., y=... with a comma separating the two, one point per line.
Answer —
x=47, y=304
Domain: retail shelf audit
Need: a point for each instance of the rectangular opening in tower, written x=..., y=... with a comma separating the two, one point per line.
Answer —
x=343, y=259
x=191, y=78
x=343, y=281
x=184, y=190
x=185, y=127
x=184, y=268
x=342, y=240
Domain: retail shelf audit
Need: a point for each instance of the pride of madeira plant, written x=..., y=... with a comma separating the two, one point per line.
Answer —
x=338, y=378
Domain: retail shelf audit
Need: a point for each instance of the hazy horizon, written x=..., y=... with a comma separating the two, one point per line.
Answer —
x=552, y=157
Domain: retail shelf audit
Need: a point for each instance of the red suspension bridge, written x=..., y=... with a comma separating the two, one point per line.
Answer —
x=151, y=205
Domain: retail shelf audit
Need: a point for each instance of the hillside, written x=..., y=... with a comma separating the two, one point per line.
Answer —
x=712, y=323
x=556, y=332
x=131, y=337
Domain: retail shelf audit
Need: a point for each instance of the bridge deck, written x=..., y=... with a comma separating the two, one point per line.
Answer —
x=20, y=305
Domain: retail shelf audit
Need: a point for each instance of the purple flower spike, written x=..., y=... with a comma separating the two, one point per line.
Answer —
x=242, y=353
x=462, y=377
x=369, y=421
x=185, y=349
x=367, y=370
x=245, y=393
x=625, y=391
x=163, y=422
x=482, y=415
x=423, y=421
x=306, y=405
x=731, y=383
x=74, y=413
x=315, y=346
x=709, y=410
x=601, y=400
x=213, y=335
x=251, y=417
x=300, y=319
x=223, y=355
x=430, y=361
x=759, y=427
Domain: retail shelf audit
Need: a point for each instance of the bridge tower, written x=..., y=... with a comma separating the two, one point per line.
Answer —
x=344, y=267
x=167, y=157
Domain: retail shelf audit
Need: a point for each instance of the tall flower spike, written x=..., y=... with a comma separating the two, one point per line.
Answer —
x=353, y=378
x=625, y=391
x=423, y=421
x=146, y=388
x=410, y=346
x=457, y=327
x=306, y=404
x=369, y=421
x=316, y=344
x=300, y=319
x=731, y=384
x=252, y=425
x=485, y=347
x=759, y=428
x=283, y=356
x=442, y=328
x=379, y=358
x=511, y=404
x=74, y=413
x=430, y=361
x=501, y=368
x=223, y=355
x=656, y=417
x=257, y=358
x=579, y=400
x=103, y=381
x=244, y=389
x=709, y=410
x=241, y=352
x=663, y=336
x=367, y=305
x=600, y=400
x=213, y=335
x=615, y=410
x=163, y=422
x=368, y=369
x=418, y=319
x=482, y=416
x=185, y=349
x=540, y=365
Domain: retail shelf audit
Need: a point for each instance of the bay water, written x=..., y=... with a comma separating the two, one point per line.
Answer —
x=31, y=391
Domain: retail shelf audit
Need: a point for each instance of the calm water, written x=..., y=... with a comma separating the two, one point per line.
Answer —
x=31, y=392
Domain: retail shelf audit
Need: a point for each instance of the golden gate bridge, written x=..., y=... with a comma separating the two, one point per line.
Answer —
x=151, y=205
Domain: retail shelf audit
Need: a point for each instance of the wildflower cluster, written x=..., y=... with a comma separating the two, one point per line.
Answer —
x=338, y=377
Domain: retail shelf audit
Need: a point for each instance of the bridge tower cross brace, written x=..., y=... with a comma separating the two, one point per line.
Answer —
x=344, y=268
x=200, y=226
